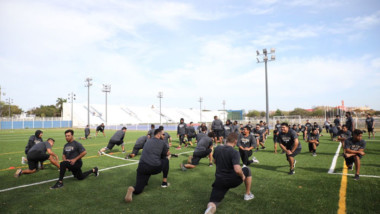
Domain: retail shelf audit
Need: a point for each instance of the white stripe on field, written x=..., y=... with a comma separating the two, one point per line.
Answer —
x=118, y=157
x=333, y=163
x=368, y=176
x=51, y=180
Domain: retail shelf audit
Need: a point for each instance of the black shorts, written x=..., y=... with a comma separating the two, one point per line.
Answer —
x=296, y=152
x=218, y=133
x=370, y=129
x=35, y=157
x=197, y=156
x=222, y=185
x=351, y=160
x=101, y=130
x=190, y=138
x=112, y=143
x=86, y=135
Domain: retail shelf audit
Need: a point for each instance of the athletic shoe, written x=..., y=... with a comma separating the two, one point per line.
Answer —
x=243, y=166
x=263, y=148
x=254, y=160
x=57, y=185
x=165, y=184
x=123, y=152
x=210, y=210
x=183, y=167
x=23, y=160
x=128, y=196
x=291, y=172
x=248, y=197
x=210, y=165
x=356, y=178
x=294, y=164
x=18, y=173
x=314, y=154
x=96, y=171
x=174, y=155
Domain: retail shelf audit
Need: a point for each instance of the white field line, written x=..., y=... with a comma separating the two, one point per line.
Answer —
x=51, y=180
x=118, y=157
x=333, y=163
x=368, y=176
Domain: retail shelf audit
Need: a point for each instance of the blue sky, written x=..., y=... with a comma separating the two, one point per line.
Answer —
x=326, y=51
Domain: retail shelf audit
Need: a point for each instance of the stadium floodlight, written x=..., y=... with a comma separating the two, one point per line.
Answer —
x=9, y=101
x=88, y=84
x=160, y=96
x=265, y=60
x=71, y=99
x=200, y=109
x=106, y=89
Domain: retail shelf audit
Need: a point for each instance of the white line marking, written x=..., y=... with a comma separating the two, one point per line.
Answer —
x=118, y=157
x=333, y=163
x=369, y=176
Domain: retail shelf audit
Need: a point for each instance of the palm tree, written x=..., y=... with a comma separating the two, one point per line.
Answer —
x=59, y=104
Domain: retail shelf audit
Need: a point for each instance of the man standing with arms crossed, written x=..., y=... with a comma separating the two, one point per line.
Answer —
x=289, y=143
x=228, y=174
x=181, y=133
x=217, y=128
x=73, y=152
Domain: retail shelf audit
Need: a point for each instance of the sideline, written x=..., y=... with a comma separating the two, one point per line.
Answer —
x=343, y=191
x=333, y=163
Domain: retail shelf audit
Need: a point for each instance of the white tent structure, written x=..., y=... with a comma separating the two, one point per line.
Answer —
x=122, y=114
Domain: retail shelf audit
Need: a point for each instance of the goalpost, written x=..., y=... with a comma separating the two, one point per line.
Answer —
x=291, y=119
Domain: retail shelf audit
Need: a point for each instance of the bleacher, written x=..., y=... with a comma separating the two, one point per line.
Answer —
x=121, y=114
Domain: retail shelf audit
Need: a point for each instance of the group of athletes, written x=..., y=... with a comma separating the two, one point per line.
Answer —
x=218, y=144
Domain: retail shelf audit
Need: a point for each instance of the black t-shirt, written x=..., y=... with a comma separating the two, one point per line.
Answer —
x=227, y=130
x=150, y=133
x=344, y=135
x=73, y=149
x=225, y=158
x=140, y=142
x=87, y=131
x=309, y=127
x=41, y=147
x=288, y=139
x=337, y=122
x=246, y=142
x=259, y=133
x=278, y=127
x=369, y=122
x=33, y=140
x=100, y=128
x=203, y=144
x=200, y=136
x=349, y=123
x=190, y=131
x=303, y=128
x=312, y=136
x=154, y=150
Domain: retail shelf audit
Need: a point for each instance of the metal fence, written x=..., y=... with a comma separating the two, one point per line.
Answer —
x=33, y=123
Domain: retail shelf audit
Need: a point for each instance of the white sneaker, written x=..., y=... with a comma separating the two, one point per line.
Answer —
x=210, y=210
x=243, y=166
x=23, y=160
x=248, y=197
x=255, y=160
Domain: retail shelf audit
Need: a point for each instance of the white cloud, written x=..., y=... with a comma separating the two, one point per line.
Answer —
x=376, y=63
x=365, y=22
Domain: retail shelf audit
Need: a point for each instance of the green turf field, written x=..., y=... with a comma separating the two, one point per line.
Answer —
x=310, y=190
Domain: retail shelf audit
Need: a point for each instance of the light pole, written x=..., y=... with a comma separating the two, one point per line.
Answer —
x=265, y=60
x=200, y=108
x=71, y=100
x=88, y=84
x=106, y=89
x=1, y=109
x=160, y=96
x=9, y=101
x=224, y=110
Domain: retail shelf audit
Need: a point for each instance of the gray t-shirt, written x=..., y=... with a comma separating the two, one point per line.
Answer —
x=118, y=136
x=246, y=142
x=166, y=139
x=151, y=133
x=154, y=150
x=203, y=144
x=140, y=142
x=40, y=147
x=369, y=122
x=86, y=131
x=227, y=130
x=181, y=129
x=217, y=125
x=312, y=136
x=351, y=144
x=190, y=131
x=73, y=149
x=288, y=139
x=200, y=136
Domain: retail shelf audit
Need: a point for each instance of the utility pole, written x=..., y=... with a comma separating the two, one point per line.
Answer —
x=106, y=89
x=71, y=100
x=9, y=101
x=88, y=84
x=160, y=96
x=200, y=109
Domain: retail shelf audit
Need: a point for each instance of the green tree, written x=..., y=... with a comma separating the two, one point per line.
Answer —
x=5, y=110
x=253, y=113
x=299, y=111
x=59, y=104
x=278, y=113
x=45, y=111
x=262, y=113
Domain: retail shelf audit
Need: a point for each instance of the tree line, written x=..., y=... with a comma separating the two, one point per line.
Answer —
x=41, y=111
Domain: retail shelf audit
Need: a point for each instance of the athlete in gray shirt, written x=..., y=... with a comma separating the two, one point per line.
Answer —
x=203, y=149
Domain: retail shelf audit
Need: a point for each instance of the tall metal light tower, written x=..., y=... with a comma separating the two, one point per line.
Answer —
x=9, y=101
x=265, y=60
x=1, y=109
x=160, y=96
x=71, y=99
x=88, y=84
x=200, y=108
x=224, y=110
x=106, y=89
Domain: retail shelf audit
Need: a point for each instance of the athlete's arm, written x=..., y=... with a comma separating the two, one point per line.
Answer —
x=237, y=169
x=72, y=161
x=50, y=152
x=295, y=145
x=360, y=151
x=64, y=158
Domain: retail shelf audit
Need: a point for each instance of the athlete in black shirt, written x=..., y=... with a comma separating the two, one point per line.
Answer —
x=100, y=128
x=354, y=151
x=313, y=140
x=73, y=152
x=228, y=173
x=370, y=124
x=289, y=143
